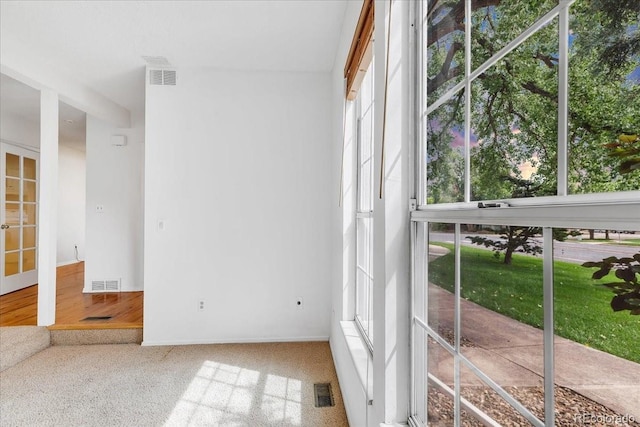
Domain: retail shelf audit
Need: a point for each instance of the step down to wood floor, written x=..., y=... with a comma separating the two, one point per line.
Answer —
x=96, y=336
x=18, y=343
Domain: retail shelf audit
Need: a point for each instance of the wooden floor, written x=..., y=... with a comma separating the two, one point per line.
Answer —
x=72, y=306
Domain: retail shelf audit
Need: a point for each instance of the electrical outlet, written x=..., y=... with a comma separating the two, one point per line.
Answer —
x=299, y=302
x=99, y=208
x=201, y=305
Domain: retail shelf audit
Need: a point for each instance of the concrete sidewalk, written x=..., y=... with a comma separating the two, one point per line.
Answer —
x=511, y=353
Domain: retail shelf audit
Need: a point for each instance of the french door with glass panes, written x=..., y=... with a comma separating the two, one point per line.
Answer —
x=18, y=210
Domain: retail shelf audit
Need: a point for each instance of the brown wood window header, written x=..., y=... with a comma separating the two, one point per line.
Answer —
x=361, y=51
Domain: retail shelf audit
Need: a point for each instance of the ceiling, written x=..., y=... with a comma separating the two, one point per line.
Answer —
x=22, y=101
x=100, y=44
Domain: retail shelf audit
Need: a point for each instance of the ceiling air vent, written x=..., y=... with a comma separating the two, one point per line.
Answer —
x=169, y=77
x=162, y=77
x=155, y=77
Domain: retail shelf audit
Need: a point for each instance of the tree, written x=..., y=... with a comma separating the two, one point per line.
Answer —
x=514, y=103
x=515, y=238
x=627, y=291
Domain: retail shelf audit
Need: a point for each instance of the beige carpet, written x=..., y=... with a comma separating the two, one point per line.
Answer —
x=17, y=343
x=205, y=385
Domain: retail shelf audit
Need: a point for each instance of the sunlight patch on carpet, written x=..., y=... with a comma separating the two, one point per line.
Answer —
x=281, y=400
x=222, y=394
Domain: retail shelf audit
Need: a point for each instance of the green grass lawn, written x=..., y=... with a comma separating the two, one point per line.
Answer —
x=628, y=242
x=622, y=242
x=582, y=310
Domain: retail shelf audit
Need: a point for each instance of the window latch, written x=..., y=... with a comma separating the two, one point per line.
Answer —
x=493, y=205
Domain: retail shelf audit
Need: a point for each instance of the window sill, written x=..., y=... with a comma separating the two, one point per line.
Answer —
x=362, y=360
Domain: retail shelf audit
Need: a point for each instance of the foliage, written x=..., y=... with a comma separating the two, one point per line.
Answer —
x=517, y=292
x=628, y=289
x=514, y=103
x=627, y=148
x=517, y=239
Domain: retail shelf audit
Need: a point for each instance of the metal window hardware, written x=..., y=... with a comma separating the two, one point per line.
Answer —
x=493, y=205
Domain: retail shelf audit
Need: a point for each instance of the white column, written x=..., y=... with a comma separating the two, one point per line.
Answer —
x=48, y=207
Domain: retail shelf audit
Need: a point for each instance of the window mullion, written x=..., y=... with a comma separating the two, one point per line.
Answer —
x=457, y=328
x=467, y=103
x=548, y=330
x=563, y=101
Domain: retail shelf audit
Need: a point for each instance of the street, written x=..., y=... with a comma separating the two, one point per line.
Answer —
x=570, y=250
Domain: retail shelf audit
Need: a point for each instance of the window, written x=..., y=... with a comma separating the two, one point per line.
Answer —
x=364, y=208
x=529, y=115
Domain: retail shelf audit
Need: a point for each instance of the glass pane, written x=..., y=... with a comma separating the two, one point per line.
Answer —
x=13, y=190
x=502, y=306
x=12, y=239
x=11, y=265
x=28, y=237
x=29, y=168
x=28, y=260
x=12, y=213
x=29, y=214
x=13, y=165
x=594, y=321
x=364, y=274
x=419, y=339
x=441, y=297
x=445, y=152
x=496, y=25
x=29, y=191
x=440, y=410
x=365, y=147
x=514, y=122
x=604, y=106
x=489, y=402
x=445, y=48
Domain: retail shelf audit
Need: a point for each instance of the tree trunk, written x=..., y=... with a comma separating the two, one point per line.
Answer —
x=606, y=234
x=592, y=233
x=508, y=255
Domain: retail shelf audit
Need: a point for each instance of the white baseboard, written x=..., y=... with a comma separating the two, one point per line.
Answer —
x=91, y=291
x=63, y=263
x=148, y=343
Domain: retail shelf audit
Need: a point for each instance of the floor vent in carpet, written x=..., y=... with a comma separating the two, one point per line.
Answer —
x=97, y=318
x=323, y=395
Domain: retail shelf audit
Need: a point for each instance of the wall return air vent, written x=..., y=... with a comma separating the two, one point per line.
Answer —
x=112, y=285
x=162, y=77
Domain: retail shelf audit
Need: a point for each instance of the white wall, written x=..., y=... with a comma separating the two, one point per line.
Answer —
x=71, y=204
x=18, y=130
x=237, y=170
x=388, y=389
x=113, y=248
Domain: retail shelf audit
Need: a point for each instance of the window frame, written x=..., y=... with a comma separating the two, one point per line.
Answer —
x=364, y=212
x=562, y=210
